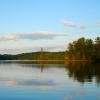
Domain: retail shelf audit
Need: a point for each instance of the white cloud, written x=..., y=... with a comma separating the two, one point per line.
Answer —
x=39, y=35
x=72, y=24
x=23, y=44
x=31, y=35
x=8, y=37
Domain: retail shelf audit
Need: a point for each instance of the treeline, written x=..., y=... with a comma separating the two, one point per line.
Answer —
x=84, y=49
x=7, y=57
x=41, y=56
x=35, y=56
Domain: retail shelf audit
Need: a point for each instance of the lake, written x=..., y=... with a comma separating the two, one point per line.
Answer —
x=56, y=81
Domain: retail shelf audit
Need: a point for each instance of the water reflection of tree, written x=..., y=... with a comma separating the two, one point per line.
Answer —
x=42, y=67
x=83, y=72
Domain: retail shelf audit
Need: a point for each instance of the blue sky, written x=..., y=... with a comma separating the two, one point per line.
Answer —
x=28, y=25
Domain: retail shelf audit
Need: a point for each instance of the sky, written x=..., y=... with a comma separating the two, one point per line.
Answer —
x=28, y=25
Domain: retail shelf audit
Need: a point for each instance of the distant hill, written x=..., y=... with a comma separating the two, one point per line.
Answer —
x=34, y=56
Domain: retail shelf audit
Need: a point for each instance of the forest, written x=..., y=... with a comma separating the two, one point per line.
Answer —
x=81, y=49
x=84, y=49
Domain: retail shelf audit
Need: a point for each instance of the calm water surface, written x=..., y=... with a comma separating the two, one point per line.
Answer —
x=70, y=81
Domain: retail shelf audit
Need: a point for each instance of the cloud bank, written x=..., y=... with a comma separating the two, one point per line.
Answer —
x=47, y=47
x=32, y=36
x=72, y=24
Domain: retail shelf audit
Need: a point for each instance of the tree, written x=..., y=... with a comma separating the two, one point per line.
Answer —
x=89, y=49
x=97, y=49
x=85, y=49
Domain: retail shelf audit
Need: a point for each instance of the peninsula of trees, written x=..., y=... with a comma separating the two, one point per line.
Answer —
x=84, y=49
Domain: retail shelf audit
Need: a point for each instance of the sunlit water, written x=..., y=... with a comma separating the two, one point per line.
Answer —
x=27, y=81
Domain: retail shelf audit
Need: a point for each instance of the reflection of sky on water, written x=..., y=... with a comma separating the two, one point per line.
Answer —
x=48, y=82
x=31, y=75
